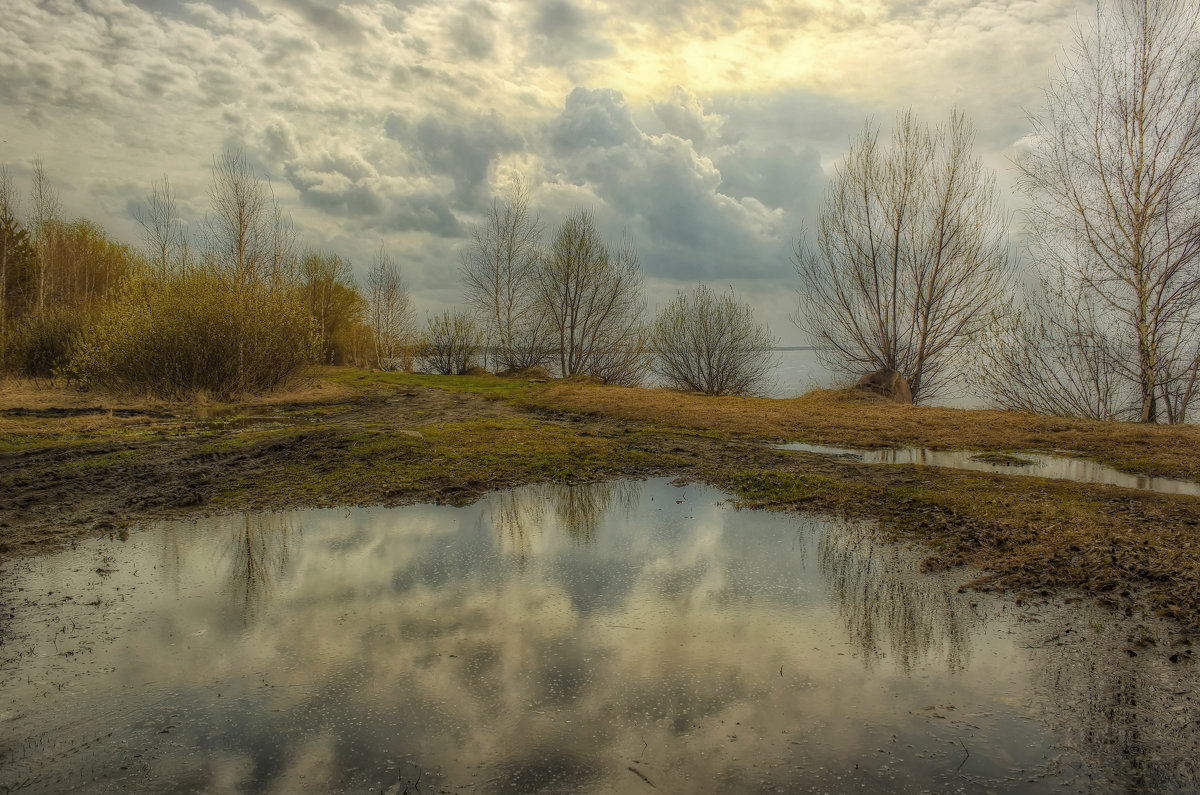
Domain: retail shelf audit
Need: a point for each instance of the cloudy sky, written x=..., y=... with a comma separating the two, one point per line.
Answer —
x=703, y=129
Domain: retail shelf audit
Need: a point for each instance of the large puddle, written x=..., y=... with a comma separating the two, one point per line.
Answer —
x=1040, y=465
x=626, y=637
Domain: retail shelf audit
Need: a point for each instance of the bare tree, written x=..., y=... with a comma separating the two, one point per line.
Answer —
x=248, y=235
x=1113, y=175
x=498, y=271
x=1055, y=355
x=162, y=228
x=390, y=311
x=592, y=299
x=709, y=343
x=450, y=344
x=909, y=257
x=46, y=220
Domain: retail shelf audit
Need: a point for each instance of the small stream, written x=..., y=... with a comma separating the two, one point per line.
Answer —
x=1055, y=467
x=616, y=637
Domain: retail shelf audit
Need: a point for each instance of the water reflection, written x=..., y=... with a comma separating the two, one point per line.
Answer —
x=550, y=638
x=578, y=510
x=889, y=606
x=1039, y=465
x=258, y=554
x=1129, y=714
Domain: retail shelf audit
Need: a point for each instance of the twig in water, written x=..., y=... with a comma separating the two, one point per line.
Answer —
x=641, y=775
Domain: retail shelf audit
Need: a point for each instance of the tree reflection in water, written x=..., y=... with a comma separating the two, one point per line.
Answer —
x=1126, y=714
x=579, y=509
x=888, y=605
x=518, y=514
x=258, y=551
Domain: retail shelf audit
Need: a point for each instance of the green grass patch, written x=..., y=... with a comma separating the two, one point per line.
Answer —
x=100, y=461
x=452, y=461
x=225, y=441
x=773, y=489
x=509, y=389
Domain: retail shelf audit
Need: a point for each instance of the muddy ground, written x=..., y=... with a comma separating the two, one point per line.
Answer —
x=69, y=472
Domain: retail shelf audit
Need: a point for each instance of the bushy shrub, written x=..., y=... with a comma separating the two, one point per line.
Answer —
x=705, y=342
x=450, y=344
x=41, y=345
x=196, y=332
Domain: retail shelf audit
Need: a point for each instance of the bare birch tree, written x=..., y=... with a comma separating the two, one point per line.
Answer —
x=909, y=256
x=592, y=299
x=162, y=228
x=390, y=311
x=498, y=271
x=248, y=235
x=1054, y=355
x=709, y=343
x=45, y=223
x=1113, y=175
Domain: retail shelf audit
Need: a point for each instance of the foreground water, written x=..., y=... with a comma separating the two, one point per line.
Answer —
x=618, y=637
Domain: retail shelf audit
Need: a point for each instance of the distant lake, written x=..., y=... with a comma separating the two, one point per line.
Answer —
x=798, y=371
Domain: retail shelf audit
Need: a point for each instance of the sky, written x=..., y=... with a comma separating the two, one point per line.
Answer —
x=704, y=130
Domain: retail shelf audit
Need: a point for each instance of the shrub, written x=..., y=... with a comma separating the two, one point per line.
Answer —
x=185, y=333
x=41, y=345
x=709, y=343
x=450, y=343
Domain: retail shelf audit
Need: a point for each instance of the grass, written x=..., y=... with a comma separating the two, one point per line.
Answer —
x=514, y=390
x=453, y=462
x=103, y=460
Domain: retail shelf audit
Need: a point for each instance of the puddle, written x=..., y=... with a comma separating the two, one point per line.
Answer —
x=1039, y=465
x=621, y=637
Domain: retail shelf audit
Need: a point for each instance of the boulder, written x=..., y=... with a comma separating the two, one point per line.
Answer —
x=886, y=383
x=529, y=372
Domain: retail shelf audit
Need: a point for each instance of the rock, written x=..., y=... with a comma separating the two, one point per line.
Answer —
x=528, y=372
x=583, y=379
x=886, y=383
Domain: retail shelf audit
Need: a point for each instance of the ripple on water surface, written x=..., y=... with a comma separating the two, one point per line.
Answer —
x=616, y=637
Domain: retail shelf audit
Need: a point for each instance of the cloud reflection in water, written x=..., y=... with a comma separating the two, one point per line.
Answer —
x=551, y=637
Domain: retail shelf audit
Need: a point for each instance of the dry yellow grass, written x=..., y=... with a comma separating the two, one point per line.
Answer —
x=62, y=411
x=842, y=418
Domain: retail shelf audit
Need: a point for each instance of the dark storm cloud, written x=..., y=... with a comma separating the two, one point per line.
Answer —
x=463, y=150
x=772, y=173
x=424, y=214
x=593, y=118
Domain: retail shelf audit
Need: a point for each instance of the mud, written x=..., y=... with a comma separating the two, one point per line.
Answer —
x=47, y=501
